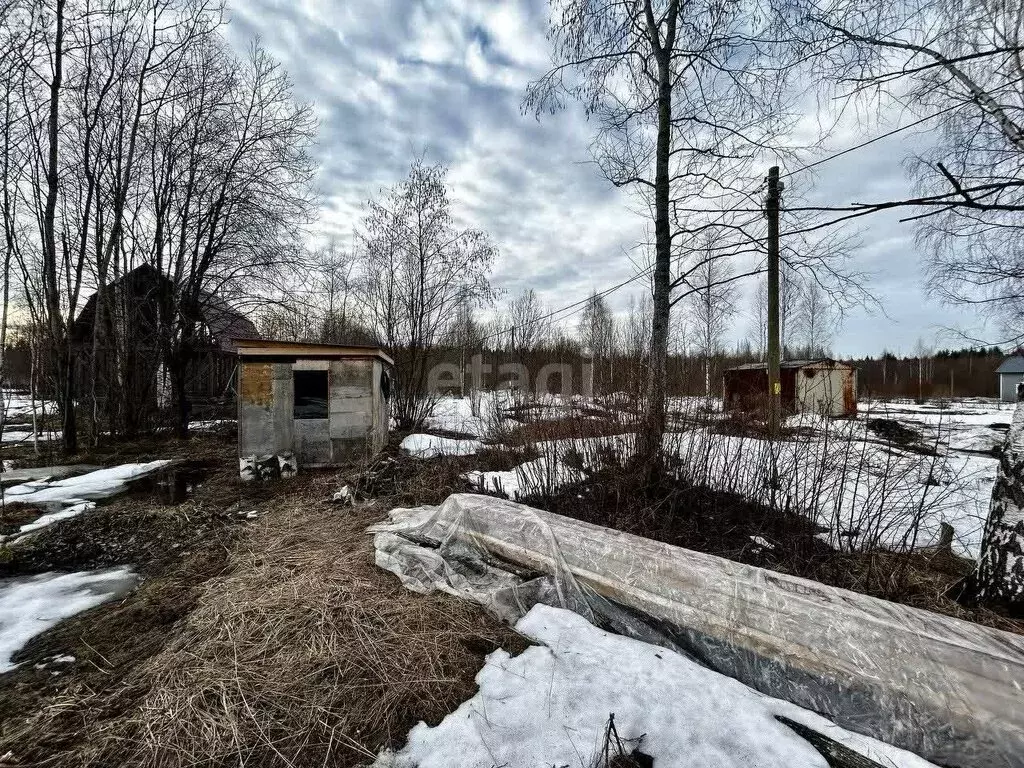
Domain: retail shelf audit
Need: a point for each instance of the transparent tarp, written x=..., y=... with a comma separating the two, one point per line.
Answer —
x=948, y=690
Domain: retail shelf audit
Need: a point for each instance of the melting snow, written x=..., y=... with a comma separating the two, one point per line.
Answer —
x=100, y=484
x=549, y=706
x=29, y=606
x=429, y=446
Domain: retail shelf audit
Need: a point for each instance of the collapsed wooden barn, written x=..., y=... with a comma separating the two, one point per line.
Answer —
x=121, y=352
x=825, y=387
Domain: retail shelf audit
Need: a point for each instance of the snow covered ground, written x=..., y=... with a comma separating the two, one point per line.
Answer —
x=549, y=706
x=963, y=425
x=455, y=414
x=33, y=604
x=428, y=446
x=17, y=405
x=101, y=484
x=73, y=495
x=19, y=435
x=866, y=490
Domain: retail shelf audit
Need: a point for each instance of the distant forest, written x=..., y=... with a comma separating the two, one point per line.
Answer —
x=931, y=374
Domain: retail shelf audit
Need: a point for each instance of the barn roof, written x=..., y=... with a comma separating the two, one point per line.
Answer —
x=1012, y=364
x=822, y=361
x=224, y=322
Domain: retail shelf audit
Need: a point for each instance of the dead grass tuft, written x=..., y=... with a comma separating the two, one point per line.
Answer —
x=567, y=428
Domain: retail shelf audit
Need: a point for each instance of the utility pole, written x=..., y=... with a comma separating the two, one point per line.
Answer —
x=774, y=345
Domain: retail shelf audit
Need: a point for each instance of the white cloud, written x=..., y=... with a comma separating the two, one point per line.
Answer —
x=392, y=80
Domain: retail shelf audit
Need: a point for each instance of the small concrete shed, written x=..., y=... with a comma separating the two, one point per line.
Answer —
x=1011, y=373
x=325, y=403
x=825, y=387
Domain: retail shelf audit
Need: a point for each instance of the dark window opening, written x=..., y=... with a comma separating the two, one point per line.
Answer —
x=310, y=395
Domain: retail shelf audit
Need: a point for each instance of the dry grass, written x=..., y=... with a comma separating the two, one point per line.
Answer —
x=566, y=428
x=304, y=654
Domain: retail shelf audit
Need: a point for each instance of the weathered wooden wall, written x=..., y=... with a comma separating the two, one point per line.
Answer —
x=357, y=423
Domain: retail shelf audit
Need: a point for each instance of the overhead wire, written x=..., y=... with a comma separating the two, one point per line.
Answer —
x=578, y=306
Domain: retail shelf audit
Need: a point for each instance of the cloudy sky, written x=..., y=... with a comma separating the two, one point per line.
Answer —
x=445, y=78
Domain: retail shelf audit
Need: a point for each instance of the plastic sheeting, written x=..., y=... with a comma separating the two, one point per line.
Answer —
x=951, y=691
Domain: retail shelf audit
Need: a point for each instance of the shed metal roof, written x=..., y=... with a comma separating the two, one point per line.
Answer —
x=267, y=348
x=824, y=361
x=1012, y=364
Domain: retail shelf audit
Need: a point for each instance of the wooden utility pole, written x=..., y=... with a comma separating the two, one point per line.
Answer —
x=774, y=345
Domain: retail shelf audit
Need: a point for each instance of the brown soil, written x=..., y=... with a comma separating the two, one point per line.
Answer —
x=16, y=514
x=275, y=641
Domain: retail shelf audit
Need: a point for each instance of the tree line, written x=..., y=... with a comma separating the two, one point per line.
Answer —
x=132, y=134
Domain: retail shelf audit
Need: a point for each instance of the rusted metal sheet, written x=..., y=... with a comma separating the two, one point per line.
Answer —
x=257, y=383
x=746, y=389
x=850, y=394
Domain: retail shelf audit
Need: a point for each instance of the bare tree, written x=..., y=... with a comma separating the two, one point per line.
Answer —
x=635, y=334
x=712, y=306
x=140, y=139
x=530, y=320
x=597, y=334
x=335, y=289
x=231, y=176
x=418, y=268
x=683, y=102
x=759, y=317
x=923, y=352
x=960, y=68
x=814, y=319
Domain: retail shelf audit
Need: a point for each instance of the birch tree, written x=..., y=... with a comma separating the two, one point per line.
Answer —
x=712, y=305
x=814, y=320
x=684, y=101
x=597, y=334
x=959, y=68
x=419, y=268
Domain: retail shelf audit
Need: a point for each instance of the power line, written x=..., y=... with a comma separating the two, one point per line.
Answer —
x=863, y=144
x=577, y=306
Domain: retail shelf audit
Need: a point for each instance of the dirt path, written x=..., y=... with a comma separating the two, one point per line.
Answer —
x=273, y=641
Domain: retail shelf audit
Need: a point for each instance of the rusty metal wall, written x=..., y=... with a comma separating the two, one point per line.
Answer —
x=814, y=388
x=746, y=389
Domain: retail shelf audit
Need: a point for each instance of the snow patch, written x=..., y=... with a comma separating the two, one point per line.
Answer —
x=428, y=446
x=100, y=484
x=29, y=606
x=65, y=514
x=549, y=706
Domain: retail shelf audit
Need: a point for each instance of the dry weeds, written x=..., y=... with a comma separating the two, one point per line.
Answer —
x=304, y=654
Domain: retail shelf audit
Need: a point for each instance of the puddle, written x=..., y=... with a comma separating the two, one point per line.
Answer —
x=173, y=484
